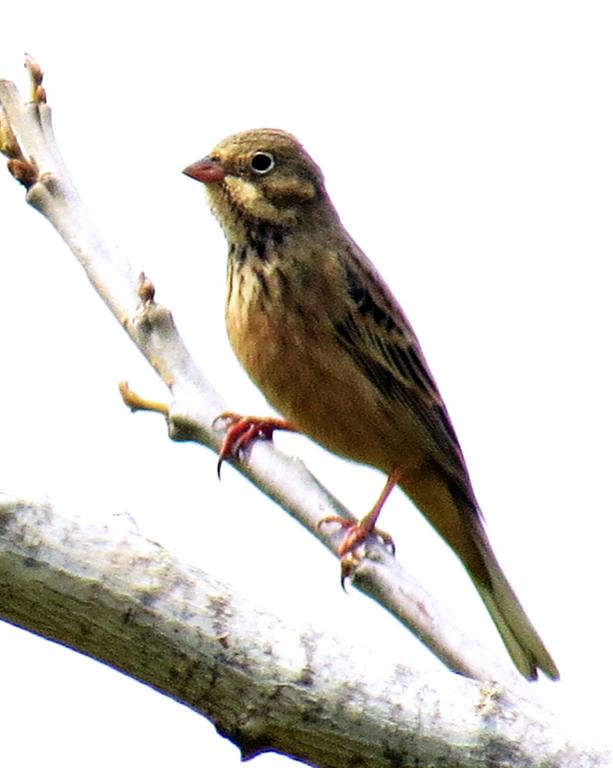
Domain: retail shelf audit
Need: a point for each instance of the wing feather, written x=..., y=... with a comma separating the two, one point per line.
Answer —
x=380, y=340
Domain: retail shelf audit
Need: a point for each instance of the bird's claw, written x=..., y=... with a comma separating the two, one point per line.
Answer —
x=243, y=430
x=356, y=534
x=348, y=565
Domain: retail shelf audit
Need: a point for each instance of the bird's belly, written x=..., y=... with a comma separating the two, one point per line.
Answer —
x=297, y=363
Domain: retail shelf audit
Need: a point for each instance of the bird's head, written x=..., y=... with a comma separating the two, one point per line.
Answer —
x=261, y=176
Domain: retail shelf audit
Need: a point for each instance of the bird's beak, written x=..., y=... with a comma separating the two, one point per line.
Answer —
x=206, y=170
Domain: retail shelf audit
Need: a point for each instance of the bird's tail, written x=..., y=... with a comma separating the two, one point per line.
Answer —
x=516, y=630
x=457, y=519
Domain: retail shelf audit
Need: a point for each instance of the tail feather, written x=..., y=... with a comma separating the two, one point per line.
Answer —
x=515, y=628
x=455, y=515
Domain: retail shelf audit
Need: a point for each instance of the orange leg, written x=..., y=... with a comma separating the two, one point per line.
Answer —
x=243, y=430
x=357, y=533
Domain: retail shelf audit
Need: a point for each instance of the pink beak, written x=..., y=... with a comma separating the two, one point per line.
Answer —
x=207, y=171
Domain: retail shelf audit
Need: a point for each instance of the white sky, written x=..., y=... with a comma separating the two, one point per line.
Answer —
x=468, y=148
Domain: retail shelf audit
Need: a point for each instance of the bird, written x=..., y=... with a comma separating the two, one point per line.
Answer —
x=322, y=336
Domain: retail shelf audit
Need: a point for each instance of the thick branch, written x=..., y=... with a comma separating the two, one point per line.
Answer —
x=26, y=135
x=123, y=599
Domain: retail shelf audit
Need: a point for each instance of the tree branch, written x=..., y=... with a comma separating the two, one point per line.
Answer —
x=26, y=136
x=125, y=600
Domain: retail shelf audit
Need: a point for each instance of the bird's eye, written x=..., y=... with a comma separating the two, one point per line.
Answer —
x=262, y=162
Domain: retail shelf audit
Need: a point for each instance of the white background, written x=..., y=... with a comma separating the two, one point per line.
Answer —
x=468, y=148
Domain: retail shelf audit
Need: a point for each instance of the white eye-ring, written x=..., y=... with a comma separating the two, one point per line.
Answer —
x=262, y=162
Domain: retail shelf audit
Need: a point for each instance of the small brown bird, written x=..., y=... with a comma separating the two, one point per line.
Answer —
x=322, y=336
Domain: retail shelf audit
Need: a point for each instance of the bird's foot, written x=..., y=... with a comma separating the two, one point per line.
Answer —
x=356, y=534
x=242, y=430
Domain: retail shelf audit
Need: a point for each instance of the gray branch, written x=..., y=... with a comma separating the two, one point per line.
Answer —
x=125, y=600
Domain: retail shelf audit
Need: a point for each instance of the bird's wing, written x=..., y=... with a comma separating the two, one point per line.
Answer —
x=381, y=342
